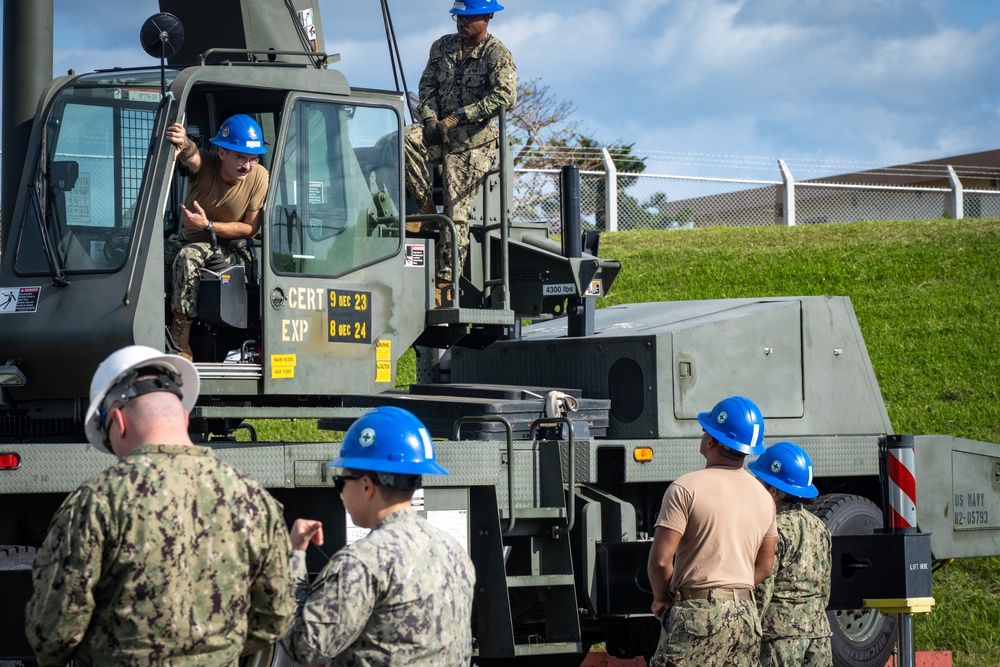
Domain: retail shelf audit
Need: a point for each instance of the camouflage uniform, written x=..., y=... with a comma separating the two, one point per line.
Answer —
x=709, y=633
x=400, y=596
x=186, y=254
x=479, y=84
x=169, y=557
x=793, y=600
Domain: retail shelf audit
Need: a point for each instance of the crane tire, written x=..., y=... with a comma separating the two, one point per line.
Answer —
x=861, y=637
x=16, y=558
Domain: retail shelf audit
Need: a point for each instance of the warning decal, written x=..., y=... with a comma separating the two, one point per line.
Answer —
x=19, y=299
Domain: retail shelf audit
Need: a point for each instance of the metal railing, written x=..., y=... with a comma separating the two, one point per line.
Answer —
x=661, y=201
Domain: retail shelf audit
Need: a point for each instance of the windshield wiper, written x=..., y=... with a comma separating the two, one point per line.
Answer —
x=55, y=269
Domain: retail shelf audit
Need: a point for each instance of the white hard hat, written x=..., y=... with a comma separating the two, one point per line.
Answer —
x=117, y=368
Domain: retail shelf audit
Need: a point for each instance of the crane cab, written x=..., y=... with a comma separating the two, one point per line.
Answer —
x=327, y=281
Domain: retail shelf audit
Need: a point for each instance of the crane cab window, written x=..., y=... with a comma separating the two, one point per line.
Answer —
x=87, y=181
x=335, y=189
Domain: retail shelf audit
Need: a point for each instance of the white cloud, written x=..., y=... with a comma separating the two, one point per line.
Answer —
x=889, y=80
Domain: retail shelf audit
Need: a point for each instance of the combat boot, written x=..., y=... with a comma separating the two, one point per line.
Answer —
x=442, y=294
x=180, y=333
x=426, y=207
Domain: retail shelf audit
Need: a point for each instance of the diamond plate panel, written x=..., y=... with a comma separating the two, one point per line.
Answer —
x=52, y=467
x=61, y=468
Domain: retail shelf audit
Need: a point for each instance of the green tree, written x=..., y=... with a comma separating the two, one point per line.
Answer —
x=546, y=137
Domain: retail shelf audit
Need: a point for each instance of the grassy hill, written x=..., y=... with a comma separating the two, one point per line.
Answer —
x=927, y=297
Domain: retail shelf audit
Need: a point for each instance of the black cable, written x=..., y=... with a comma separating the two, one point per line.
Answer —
x=389, y=40
x=395, y=57
x=395, y=46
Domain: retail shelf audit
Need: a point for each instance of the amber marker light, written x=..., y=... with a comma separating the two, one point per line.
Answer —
x=642, y=454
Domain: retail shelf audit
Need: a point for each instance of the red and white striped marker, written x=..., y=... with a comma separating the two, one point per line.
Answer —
x=902, y=488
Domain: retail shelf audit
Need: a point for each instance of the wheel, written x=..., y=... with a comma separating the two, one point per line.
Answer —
x=861, y=637
x=273, y=656
x=17, y=558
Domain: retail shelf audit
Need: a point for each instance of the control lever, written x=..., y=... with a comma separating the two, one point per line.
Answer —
x=215, y=263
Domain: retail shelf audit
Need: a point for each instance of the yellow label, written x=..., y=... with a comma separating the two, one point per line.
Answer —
x=282, y=372
x=383, y=350
x=383, y=371
x=282, y=360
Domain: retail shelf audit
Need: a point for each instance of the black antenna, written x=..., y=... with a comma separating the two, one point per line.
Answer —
x=161, y=36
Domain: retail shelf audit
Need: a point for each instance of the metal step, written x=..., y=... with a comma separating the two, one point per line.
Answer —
x=217, y=371
x=536, y=513
x=548, y=648
x=540, y=580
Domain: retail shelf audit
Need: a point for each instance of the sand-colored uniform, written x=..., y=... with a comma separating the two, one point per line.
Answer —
x=222, y=203
x=723, y=515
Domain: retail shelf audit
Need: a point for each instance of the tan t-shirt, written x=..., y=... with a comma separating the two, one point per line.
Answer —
x=723, y=515
x=224, y=203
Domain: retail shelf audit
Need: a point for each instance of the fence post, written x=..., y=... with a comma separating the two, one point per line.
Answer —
x=610, y=192
x=957, y=205
x=789, y=195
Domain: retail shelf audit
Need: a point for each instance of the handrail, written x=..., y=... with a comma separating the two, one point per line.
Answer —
x=456, y=435
x=443, y=220
x=504, y=229
x=157, y=145
x=504, y=279
x=570, y=473
x=319, y=57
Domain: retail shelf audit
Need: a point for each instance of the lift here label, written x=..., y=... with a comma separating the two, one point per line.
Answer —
x=350, y=316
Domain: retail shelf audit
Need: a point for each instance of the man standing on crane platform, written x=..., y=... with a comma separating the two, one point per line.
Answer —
x=468, y=77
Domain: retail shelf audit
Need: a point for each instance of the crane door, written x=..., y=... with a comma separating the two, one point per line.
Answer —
x=333, y=270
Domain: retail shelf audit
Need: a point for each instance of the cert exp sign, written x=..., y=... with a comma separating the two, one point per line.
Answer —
x=350, y=316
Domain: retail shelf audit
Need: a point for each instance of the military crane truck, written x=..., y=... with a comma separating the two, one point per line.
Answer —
x=560, y=436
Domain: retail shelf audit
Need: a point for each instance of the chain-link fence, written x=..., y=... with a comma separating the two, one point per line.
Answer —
x=655, y=201
x=646, y=201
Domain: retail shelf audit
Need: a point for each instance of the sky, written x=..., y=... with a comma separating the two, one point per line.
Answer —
x=832, y=85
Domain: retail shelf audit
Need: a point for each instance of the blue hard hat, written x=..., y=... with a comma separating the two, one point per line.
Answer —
x=388, y=439
x=788, y=468
x=737, y=423
x=475, y=7
x=242, y=134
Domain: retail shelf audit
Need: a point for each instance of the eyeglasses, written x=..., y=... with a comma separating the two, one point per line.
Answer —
x=468, y=18
x=247, y=159
x=340, y=480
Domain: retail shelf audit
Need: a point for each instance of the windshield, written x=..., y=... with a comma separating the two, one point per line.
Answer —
x=83, y=194
x=338, y=187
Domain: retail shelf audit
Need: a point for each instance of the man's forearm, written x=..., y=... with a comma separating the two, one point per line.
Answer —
x=661, y=584
x=227, y=231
